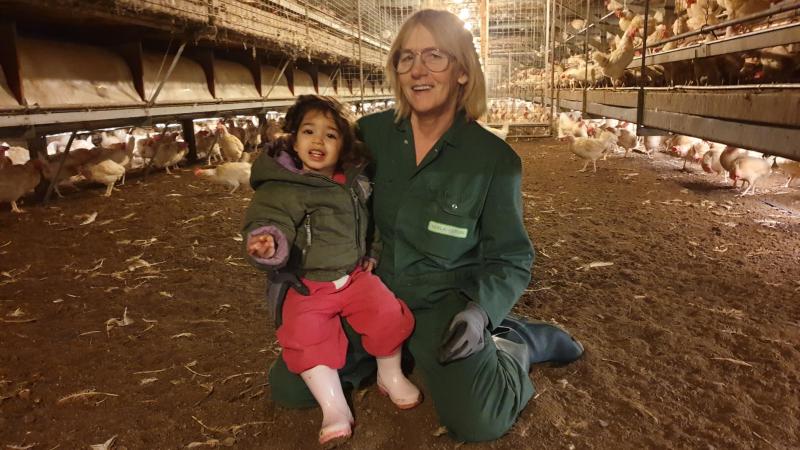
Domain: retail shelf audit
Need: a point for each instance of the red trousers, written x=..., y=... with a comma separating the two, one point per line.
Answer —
x=311, y=333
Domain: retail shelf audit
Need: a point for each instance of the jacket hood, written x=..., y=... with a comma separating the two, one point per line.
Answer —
x=282, y=166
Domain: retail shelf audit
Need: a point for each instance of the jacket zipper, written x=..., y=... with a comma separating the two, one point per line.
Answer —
x=353, y=197
x=356, y=211
x=307, y=225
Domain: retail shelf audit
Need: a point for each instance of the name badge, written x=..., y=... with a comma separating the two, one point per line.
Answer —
x=447, y=230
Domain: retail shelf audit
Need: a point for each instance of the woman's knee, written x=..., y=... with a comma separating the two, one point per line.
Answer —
x=288, y=389
x=472, y=421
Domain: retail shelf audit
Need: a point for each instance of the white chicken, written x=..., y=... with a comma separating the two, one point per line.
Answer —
x=728, y=156
x=611, y=140
x=17, y=155
x=17, y=180
x=231, y=146
x=749, y=169
x=105, y=172
x=121, y=154
x=711, y=162
x=231, y=174
x=695, y=153
x=614, y=64
x=735, y=9
x=701, y=13
x=587, y=149
x=627, y=140
x=654, y=143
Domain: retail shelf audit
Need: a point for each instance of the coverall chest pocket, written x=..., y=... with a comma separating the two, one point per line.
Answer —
x=447, y=228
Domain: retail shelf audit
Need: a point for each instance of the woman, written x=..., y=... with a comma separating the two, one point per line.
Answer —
x=447, y=205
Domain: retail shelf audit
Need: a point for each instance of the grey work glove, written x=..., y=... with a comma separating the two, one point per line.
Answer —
x=464, y=336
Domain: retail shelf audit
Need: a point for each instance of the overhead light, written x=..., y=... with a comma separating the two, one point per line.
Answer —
x=464, y=14
x=468, y=26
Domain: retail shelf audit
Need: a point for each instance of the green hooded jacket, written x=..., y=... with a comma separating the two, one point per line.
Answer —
x=320, y=227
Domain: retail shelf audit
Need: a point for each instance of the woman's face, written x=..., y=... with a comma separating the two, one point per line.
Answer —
x=429, y=93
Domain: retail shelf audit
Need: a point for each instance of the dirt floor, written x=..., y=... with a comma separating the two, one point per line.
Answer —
x=147, y=325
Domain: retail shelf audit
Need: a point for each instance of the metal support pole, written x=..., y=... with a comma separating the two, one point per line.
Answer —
x=187, y=126
x=54, y=181
x=360, y=58
x=586, y=56
x=640, y=96
x=278, y=77
x=175, y=59
x=553, y=92
x=508, y=77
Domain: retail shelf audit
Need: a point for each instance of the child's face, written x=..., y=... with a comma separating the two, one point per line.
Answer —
x=318, y=143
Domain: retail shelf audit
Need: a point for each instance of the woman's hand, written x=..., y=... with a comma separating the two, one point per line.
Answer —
x=464, y=336
x=261, y=246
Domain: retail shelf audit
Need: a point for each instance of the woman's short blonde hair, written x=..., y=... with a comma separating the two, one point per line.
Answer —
x=451, y=36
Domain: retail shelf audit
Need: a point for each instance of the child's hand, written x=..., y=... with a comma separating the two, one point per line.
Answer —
x=368, y=264
x=261, y=246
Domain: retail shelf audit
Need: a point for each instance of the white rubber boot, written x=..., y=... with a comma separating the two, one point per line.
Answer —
x=337, y=420
x=393, y=383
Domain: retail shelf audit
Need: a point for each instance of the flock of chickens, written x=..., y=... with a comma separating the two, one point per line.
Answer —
x=106, y=157
x=768, y=65
x=511, y=110
x=591, y=140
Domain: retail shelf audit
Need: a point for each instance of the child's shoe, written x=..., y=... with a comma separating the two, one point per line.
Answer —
x=391, y=381
x=337, y=420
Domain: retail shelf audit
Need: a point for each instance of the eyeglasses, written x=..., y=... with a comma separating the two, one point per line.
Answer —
x=433, y=59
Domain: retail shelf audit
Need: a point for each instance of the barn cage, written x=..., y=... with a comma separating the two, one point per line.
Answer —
x=182, y=59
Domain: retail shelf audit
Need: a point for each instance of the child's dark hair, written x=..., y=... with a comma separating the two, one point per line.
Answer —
x=353, y=152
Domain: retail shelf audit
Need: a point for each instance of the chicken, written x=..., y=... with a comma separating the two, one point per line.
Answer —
x=695, y=153
x=614, y=64
x=728, y=156
x=5, y=161
x=653, y=143
x=17, y=180
x=735, y=9
x=711, y=162
x=701, y=13
x=611, y=140
x=231, y=147
x=236, y=130
x=502, y=133
x=208, y=146
x=252, y=136
x=567, y=126
x=679, y=145
x=169, y=154
x=271, y=131
x=749, y=169
x=17, y=155
x=789, y=168
x=105, y=171
x=71, y=167
x=109, y=138
x=121, y=154
x=231, y=174
x=627, y=140
x=588, y=149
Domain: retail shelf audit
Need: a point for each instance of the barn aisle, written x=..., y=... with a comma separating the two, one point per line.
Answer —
x=148, y=325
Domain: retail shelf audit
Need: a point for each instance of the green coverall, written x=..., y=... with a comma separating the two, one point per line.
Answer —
x=452, y=232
